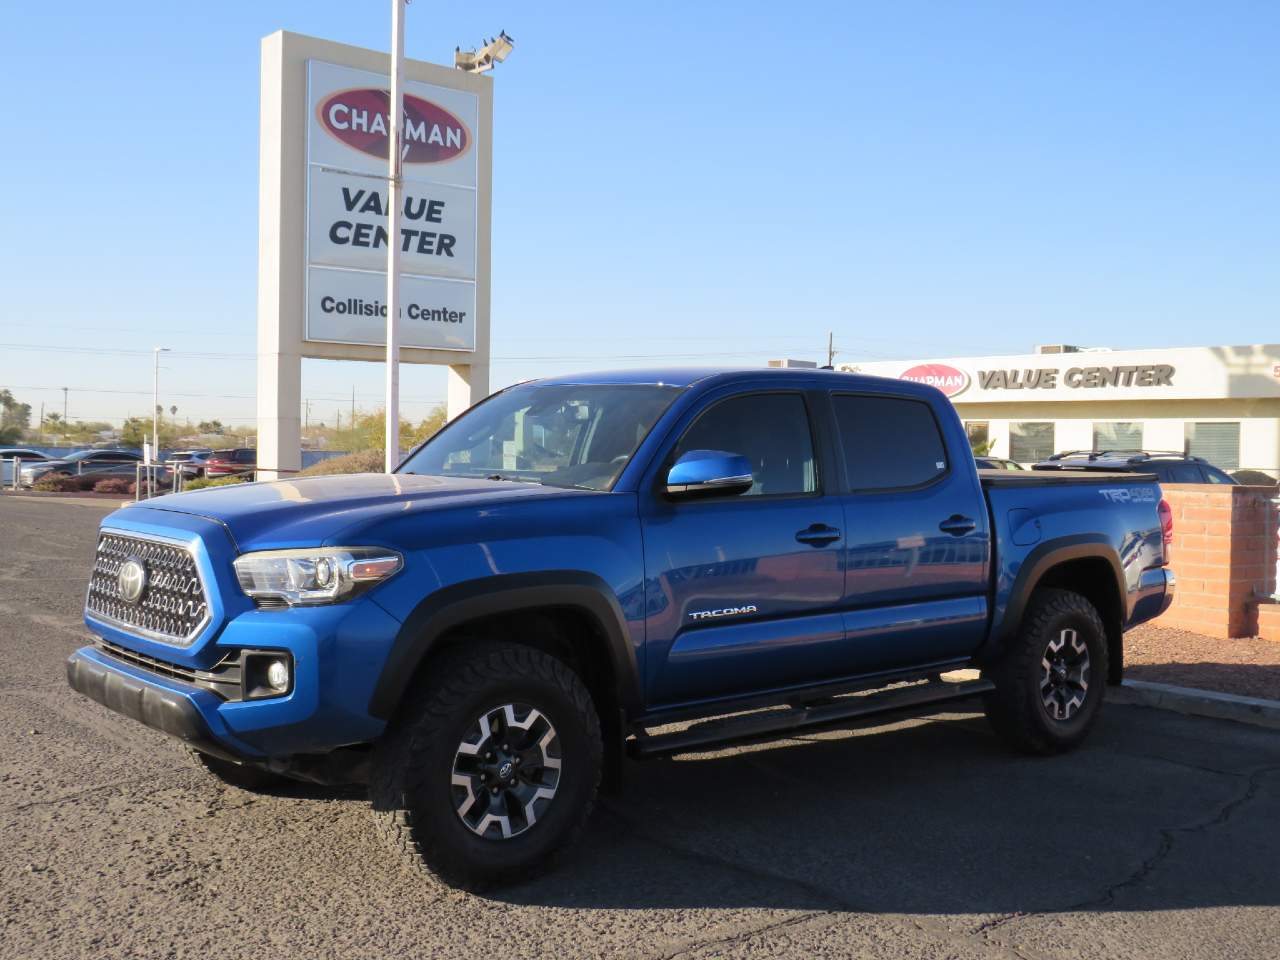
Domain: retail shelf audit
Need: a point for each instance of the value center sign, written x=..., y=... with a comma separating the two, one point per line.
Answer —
x=348, y=138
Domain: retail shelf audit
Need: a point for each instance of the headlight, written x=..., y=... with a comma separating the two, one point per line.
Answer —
x=314, y=574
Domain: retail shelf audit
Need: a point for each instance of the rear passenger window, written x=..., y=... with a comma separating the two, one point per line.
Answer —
x=889, y=442
x=1184, y=473
x=771, y=430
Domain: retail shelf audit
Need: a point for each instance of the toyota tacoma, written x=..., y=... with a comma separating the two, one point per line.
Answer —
x=582, y=569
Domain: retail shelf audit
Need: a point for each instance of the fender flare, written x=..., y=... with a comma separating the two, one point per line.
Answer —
x=507, y=593
x=1040, y=561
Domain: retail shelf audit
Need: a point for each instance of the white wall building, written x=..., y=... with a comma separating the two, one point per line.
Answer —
x=1221, y=403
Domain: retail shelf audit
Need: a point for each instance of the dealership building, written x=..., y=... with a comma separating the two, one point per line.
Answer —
x=1219, y=403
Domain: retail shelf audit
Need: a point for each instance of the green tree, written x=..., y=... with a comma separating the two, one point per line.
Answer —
x=210, y=426
x=14, y=415
x=135, y=432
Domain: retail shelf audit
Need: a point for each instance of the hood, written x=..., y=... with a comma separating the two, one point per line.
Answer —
x=318, y=510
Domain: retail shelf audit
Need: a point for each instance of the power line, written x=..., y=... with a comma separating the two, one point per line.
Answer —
x=226, y=396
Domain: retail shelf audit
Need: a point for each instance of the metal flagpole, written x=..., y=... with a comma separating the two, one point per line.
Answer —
x=394, y=213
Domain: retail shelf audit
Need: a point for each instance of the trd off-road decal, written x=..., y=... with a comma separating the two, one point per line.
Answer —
x=1129, y=494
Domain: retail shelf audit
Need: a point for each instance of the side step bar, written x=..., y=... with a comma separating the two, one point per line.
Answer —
x=765, y=724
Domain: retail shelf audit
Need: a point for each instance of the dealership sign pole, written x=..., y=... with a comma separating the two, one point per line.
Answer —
x=395, y=159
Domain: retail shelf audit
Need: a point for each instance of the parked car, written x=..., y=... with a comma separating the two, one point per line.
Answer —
x=577, y=568
x=1168, y=467
x=101, y=463
x=996, y=463
x=7, y=456
x=231, y=463
x=189, y=463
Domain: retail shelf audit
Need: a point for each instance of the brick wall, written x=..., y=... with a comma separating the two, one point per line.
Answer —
x=1223, y=555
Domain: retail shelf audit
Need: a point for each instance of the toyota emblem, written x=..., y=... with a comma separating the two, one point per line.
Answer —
x=132, y=580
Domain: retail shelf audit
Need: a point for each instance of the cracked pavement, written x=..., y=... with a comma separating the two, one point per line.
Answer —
x=923, y=838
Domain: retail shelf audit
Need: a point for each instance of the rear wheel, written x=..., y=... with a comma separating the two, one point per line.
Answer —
x=1049, y=686
x=492, y=766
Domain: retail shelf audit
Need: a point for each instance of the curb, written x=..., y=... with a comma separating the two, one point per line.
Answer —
x=1197, y=703
x=110, y=503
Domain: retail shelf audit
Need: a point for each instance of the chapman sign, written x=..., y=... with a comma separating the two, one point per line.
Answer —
x=947, y=379
x=346, y=252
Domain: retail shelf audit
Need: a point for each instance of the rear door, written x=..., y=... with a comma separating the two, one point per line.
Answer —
x=917, y=540
x=742, y=592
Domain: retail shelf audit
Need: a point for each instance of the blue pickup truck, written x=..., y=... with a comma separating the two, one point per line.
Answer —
x=590, y=567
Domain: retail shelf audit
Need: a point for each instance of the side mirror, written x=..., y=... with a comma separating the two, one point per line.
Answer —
x=709, y=473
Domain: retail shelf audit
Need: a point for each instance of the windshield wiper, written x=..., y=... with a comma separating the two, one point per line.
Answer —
x=499, y=476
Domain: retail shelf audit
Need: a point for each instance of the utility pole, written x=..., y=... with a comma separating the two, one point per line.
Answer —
x=64, y=409
x=352, y=425
x=155, y=405
x=395, y=167
x=306, y=417
x=41, y=421
x=831, y=349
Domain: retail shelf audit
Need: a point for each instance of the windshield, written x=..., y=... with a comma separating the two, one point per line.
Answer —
x=560, y=435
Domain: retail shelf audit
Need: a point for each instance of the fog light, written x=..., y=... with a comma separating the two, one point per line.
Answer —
x=278, y=675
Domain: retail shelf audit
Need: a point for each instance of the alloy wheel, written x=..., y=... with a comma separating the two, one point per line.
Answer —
x=1064, y=676
x=506, y=771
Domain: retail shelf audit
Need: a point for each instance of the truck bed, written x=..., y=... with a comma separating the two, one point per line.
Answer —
x=1050, y=478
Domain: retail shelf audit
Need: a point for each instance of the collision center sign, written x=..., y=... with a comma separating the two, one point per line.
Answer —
x=348, y=139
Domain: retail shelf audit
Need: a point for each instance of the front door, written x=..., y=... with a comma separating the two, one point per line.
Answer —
x=743, y=591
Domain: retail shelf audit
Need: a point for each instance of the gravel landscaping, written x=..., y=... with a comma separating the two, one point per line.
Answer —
x=1247, y=666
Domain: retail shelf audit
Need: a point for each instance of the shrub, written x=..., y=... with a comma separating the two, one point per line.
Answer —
x=365, y=461
x=114, y=485
x=201, y=482
x=55, y=483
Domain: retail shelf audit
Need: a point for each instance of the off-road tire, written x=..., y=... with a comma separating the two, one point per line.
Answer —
x=411, y=788
x=241, y=775
x=1017, y=709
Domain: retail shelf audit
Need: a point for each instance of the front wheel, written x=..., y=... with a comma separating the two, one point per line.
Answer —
x=491, y=767
x=1050, y=683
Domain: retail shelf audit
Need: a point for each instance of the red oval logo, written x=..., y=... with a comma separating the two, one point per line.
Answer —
x=361, y=119
x=947, y=379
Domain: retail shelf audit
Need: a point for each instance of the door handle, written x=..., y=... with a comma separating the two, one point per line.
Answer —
x=818, y=535
x=957, y=525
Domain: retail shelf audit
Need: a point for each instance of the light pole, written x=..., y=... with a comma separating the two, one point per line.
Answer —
x=155, y=406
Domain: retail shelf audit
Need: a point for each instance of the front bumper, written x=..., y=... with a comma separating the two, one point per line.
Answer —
x=164, y=707
x=336, y=652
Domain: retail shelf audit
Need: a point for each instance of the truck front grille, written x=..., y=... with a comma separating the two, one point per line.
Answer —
x=173, y=607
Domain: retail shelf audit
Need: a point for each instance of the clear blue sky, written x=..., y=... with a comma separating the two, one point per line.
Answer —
x=692, y=181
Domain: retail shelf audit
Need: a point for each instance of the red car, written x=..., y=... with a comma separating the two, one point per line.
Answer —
x=231, y=463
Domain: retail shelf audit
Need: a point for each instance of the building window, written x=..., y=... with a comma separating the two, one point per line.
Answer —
x=1030, y=442
x=1219, y=443
x=979, y=432
x=1117, y=436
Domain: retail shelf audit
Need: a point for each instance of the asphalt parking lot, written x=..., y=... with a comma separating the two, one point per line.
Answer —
x=925, y=838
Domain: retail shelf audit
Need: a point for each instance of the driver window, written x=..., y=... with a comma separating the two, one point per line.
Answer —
x=771, y=430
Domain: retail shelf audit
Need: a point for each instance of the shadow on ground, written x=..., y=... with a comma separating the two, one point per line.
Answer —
x=1157, y=812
